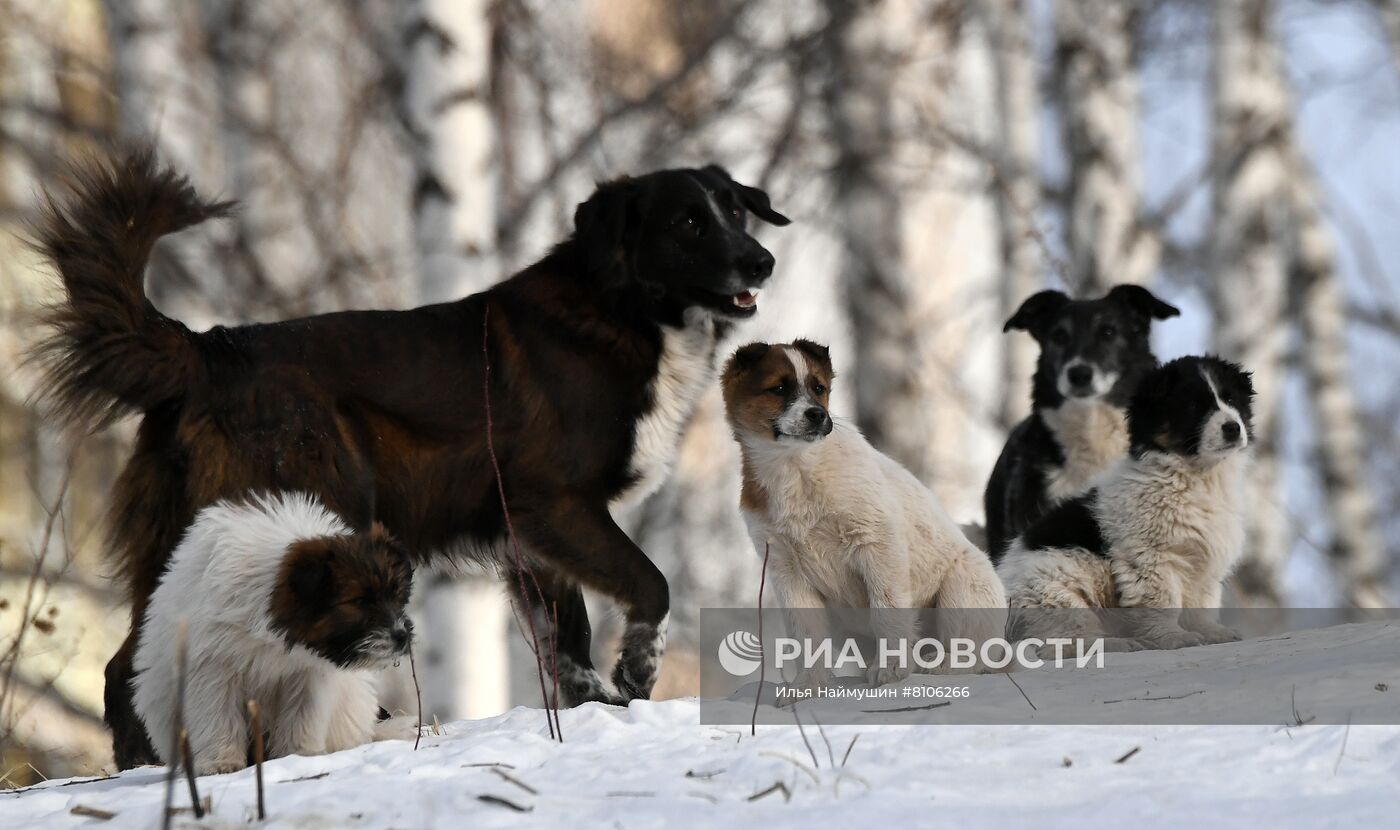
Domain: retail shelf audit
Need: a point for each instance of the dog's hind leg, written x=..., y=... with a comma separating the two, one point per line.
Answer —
x=970, y=603
x=579, y=539
x=571, y=640
x=130, y=746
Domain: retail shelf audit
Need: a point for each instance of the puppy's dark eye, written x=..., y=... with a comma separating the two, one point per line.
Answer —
x=819, y=388
x=1107, y=332
x=779, y=390
x=1059, y=337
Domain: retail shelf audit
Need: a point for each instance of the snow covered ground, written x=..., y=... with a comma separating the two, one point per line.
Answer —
x=654, y=765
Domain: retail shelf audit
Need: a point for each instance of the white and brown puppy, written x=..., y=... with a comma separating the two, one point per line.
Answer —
x=845, y=525
x=284, y=605
x=1161, y=530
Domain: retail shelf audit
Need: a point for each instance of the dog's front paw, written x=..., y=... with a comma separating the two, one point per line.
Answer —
x=1179, y=639
x=884, y=675
x=1220, y=634
x=632, y=682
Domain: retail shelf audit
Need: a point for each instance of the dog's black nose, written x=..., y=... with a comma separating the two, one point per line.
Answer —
x=400, y=637
x=815, y=415
x=1080, y=375
x=760, y=264
x=1231, y=431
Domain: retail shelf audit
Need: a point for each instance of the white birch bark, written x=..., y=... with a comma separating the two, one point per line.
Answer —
x=1099, y=98
x=912, y=97
x=1250, y=110
x=1018, y=191
x=1319, y=301
x=449, y=64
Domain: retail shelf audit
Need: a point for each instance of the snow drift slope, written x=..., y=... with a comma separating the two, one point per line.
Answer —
x=653, y=765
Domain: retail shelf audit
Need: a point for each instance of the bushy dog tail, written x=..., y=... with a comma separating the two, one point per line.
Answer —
x=109, y=352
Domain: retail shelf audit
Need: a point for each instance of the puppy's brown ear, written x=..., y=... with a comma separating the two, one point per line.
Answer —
x=1034, y=312
x=307, y=570
x=816, y=351
x=745, y=358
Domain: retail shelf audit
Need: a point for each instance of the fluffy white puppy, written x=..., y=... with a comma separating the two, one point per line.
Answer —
x=284, y=605
x=846, y=526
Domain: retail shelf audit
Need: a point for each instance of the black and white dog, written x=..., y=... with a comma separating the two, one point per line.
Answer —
x=1159, y=532
x=1092, y=355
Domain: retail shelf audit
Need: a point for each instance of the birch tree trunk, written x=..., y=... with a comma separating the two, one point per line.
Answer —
x=1250, y=116
x=1018, y=191
x=454, y=202
x=164, y=92
x=1097, y=86
x=1318, y=300
x=912, y=92
x=1389, y=13
x=858, y=102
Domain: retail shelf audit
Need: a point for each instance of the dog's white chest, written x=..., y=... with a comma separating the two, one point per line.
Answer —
x=1093, y=436
x=685, y=370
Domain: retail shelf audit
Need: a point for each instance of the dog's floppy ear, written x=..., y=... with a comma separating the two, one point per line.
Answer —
x=1034, y=311
x=601, y=224
x=755, y=201
x=746, y=357
x=816, y=351
x=1142, y=301
x=308, y=571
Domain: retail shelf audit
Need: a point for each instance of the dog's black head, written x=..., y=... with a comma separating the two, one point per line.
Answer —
x=344, y=598
x=1200, y=407
x=677, y=239
x=1091, y=349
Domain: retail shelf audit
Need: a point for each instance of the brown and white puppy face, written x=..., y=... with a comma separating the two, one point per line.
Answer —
x=779, y=392
x=343, y=598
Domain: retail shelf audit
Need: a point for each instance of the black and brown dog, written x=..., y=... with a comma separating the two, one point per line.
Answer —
x=597, y=354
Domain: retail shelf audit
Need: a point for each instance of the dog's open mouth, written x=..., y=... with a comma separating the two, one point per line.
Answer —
x=745, y=299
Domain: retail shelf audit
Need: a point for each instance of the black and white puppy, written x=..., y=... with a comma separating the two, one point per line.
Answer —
x=282, y=604
x=1092, y=355
x=1161, y=530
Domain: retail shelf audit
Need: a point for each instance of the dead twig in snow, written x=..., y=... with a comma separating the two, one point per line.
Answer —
x=187, y=761
x=846, y=757
x=778, y=787
x=92, y=812
x=503, y=802
x=256, y=718
x=803, y=732
x=1126, y=755
x=762, y=658
x=1343, y=750
x=172, y=757
x=1022, y=691
x=511, y=779
x=418, y=695
x=551, y=706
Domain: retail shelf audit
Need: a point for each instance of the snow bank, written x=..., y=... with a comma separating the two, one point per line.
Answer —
x=654, y=765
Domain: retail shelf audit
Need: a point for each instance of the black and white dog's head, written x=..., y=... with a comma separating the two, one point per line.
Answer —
x=677, y=239
x=1198, y=407
x=1090, y=349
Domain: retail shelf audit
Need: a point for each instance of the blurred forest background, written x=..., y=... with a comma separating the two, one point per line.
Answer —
x=941, y=160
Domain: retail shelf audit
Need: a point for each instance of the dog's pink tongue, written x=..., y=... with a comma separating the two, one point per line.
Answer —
x=746, y=299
